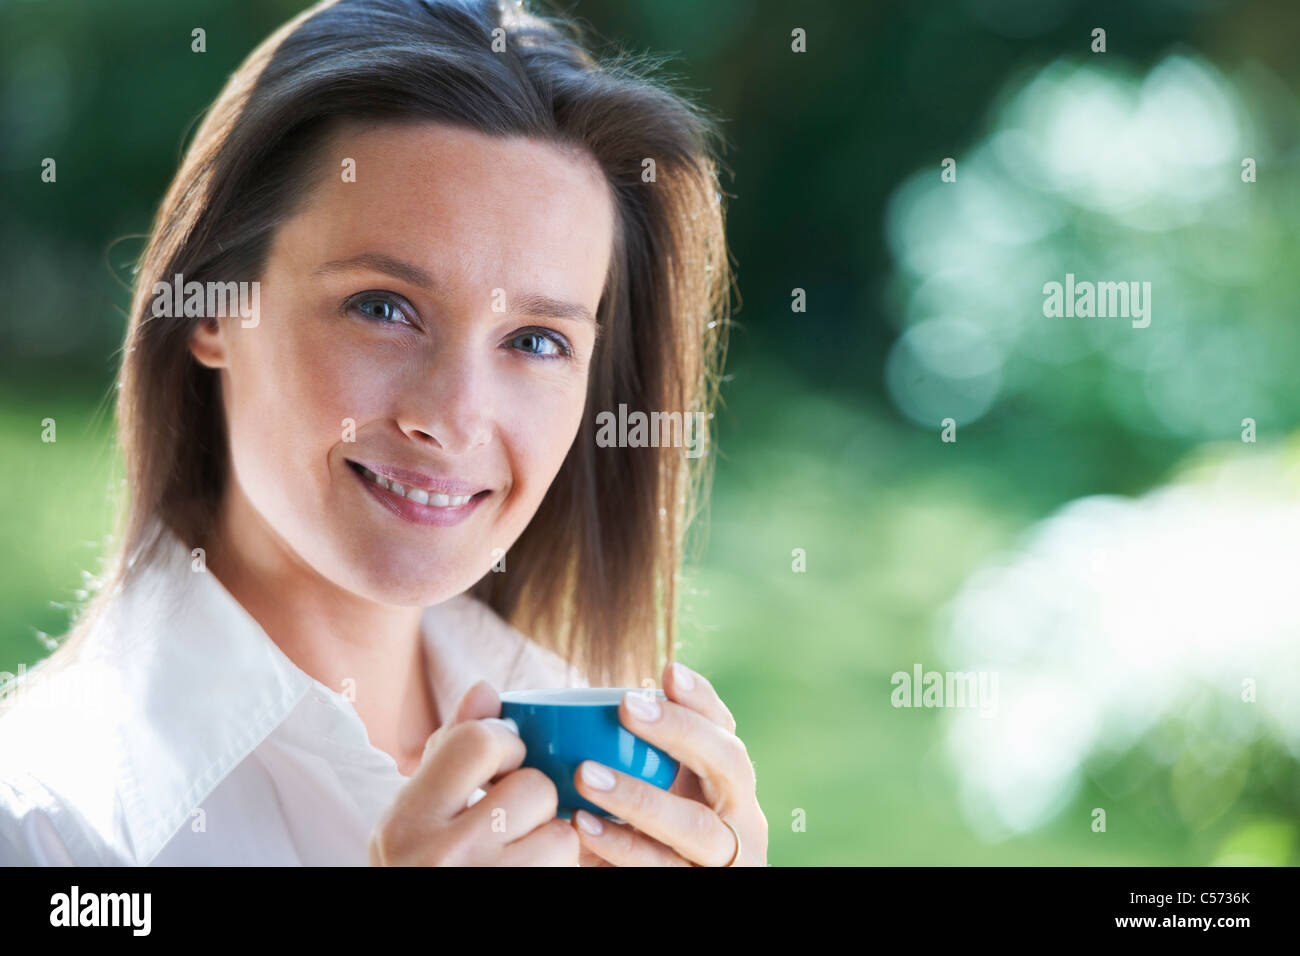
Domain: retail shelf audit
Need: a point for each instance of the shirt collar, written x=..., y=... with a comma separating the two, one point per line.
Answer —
x=182, y=683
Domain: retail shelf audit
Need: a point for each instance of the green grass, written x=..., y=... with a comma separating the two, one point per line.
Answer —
x=55, y=513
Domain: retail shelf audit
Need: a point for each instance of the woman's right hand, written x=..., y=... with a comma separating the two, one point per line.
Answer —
x=514, y=824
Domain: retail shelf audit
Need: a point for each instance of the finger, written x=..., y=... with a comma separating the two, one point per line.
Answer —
x=714, y=754
x=481, y=700
x=468, y=756
x=479, y=792
x=523, y=801
x=687, y=826
x=691, y=689
x=587, y=858
x=552, y=844
x=621, y=845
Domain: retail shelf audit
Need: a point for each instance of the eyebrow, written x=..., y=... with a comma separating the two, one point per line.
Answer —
x=540, y=306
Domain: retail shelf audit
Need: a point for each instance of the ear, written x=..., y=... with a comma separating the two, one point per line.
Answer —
x=208, y=344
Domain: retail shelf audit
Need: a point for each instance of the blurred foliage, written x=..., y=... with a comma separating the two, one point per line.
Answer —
x=833, y=168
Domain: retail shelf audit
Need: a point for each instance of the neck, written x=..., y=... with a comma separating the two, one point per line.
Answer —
x=373, y=653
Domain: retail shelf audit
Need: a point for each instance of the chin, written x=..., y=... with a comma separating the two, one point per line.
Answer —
x=388, y=578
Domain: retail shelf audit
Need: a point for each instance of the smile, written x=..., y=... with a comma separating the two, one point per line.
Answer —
x=418, y=505
x=418, y=495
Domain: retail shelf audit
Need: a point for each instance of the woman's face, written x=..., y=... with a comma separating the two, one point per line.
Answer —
x=430, y=320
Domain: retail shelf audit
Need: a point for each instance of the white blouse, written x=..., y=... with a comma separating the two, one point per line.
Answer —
x=182, y=735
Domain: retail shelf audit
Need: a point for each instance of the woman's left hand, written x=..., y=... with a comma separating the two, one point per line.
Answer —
x=682, y=826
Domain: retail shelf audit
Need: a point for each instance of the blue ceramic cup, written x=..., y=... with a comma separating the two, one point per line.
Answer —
x=562, y=727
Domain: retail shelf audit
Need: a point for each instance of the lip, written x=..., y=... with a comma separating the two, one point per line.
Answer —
x=416, y=513
x=421, y=479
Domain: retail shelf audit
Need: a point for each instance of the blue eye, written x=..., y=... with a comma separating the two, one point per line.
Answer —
x=381, y=310
x=537, y=341
x=386, y=309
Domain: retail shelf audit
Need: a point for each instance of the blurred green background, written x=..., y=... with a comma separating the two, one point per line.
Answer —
x=1099, y=535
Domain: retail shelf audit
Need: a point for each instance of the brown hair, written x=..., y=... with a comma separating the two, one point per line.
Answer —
x=594, y=576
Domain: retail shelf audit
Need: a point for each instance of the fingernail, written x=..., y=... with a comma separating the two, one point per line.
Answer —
x=589, y=823
x=642, y=708
x=682, y=676
x=507, y=722
x=594, y=775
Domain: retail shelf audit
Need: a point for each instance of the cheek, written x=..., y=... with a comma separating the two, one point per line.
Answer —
x=538, y=428
x=289, y=394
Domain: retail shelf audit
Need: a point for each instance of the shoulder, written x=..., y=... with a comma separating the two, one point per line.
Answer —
x=65, y=745
x=49, y=815
x=38, y=828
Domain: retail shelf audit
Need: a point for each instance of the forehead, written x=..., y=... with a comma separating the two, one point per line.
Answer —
x=490, y=209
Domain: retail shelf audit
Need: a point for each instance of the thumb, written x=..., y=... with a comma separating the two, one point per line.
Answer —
x=480, y=701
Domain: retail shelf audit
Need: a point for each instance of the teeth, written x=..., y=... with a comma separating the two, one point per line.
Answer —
x=418, y=495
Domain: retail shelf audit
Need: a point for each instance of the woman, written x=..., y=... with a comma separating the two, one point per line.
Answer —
x=413, y=251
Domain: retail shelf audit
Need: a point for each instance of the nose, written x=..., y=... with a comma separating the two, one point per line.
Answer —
x=445, y=402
